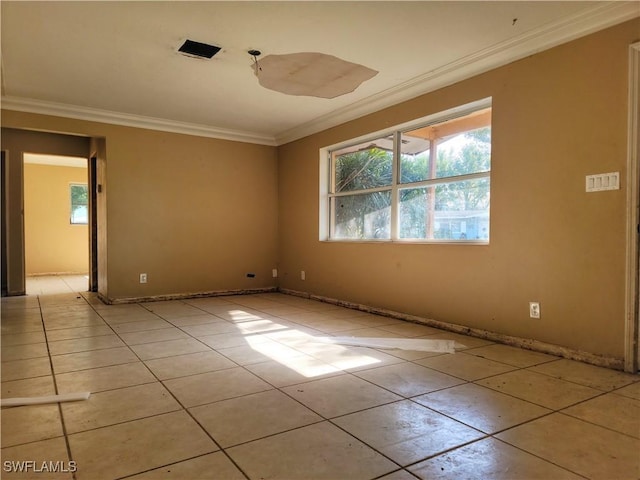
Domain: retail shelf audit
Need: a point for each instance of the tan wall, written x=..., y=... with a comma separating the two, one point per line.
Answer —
x=195, y=214
x=557, y=116
x=52, y=244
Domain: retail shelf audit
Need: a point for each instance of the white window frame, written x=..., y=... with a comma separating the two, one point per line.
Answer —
x=327, y=177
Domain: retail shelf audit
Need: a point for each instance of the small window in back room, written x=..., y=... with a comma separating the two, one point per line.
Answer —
x=79, y=204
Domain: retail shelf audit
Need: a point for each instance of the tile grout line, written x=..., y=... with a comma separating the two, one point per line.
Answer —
x=594, y=424
x=175, y=463
x=403, y=469
x=538, y=456
x=55, y=386
x=576, y=382
x=322, y=417
x=525, y=369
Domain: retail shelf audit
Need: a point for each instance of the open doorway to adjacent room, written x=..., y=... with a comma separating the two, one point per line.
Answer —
x=56, y=224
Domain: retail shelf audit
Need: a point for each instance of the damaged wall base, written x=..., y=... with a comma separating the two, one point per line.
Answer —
x=528, y=344
x=184, y=296
x=525, y=343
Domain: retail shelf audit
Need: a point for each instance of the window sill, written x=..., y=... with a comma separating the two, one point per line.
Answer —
x=410, y=242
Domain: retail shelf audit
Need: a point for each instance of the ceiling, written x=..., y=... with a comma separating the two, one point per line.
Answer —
x=118, y=61
x=54, y=160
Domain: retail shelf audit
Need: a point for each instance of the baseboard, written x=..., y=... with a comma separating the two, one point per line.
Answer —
x=183, y=296
x=15, y=293
x=528, y=344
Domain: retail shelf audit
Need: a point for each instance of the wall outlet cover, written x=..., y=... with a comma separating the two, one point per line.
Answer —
x=534, y=309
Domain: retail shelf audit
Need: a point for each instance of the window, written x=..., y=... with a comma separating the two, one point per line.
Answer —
x=426, y=182
x=79, y=204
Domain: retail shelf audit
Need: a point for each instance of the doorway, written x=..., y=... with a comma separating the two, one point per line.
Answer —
x=56, y=222
x=17, y=142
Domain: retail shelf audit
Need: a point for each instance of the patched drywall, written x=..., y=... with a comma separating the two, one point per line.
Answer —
x=310, y=73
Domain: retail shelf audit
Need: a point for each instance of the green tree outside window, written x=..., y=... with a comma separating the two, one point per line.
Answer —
x=79, y=204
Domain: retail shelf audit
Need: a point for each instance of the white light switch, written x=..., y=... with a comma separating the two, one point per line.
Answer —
x=603, y=181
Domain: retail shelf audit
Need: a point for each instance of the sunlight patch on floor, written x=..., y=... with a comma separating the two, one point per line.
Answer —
x=297, y=350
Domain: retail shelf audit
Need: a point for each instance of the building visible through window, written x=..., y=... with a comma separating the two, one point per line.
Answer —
x=79, y=204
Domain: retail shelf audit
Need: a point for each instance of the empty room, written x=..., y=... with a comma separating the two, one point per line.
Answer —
x=320, y=240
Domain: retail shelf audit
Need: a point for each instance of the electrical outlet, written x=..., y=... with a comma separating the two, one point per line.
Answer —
x=303, y=276
x=274, y=272
x=534, y=310
x=143, y=278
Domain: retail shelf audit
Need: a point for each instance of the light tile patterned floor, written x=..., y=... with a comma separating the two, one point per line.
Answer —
x=54, y=284
x=236, y=387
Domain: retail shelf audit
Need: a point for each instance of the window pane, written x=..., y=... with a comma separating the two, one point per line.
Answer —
x=79, y=204
x=364, y=166
x=462, y=146
x=414, y=164
x=464, y=153
x=450, y=211
x=364, y=216
x=413, y=212
x=79, y=195
x=79, y=214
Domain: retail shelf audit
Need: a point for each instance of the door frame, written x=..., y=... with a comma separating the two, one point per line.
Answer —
x=3, y=219
x=93, y=223
x=15, y=141
x=632, y=284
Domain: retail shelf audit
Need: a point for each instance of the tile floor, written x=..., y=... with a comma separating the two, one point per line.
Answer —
x=51, y=284
x=236, y=388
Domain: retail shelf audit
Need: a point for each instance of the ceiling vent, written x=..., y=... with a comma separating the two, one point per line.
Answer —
x=197, y=49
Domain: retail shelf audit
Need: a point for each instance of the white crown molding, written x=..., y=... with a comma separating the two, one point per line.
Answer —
x=129, y=120
x=569, y=28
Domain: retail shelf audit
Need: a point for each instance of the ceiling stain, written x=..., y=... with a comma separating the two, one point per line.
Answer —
x=311, y=74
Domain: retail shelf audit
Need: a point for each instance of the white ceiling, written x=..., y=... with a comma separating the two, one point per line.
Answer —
x=118, y=62
x=54, y=160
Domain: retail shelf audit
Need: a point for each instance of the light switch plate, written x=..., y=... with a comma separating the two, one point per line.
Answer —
x=603, y=181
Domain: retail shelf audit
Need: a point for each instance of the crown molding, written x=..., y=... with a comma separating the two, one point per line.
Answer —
x=129, y=120
x=556, y=33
